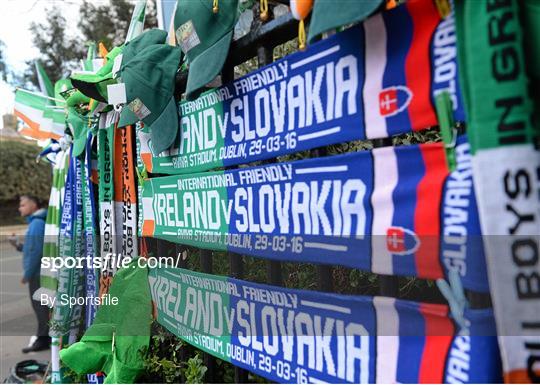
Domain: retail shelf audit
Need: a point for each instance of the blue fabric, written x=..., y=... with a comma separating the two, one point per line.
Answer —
x=33, y=243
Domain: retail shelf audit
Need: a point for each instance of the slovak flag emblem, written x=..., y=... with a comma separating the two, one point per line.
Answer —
x=401, y=241
x=393, y=100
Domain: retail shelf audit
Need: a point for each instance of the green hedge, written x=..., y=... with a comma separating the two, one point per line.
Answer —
x=20, y=172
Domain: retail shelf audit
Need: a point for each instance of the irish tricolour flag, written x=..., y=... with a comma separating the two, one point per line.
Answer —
x=43, y=119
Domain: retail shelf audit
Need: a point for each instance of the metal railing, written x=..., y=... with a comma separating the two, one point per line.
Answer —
x=260, y=43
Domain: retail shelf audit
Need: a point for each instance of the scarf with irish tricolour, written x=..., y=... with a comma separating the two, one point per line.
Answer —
x=506, y=167
x=105, y=196
x=49, y=276
x=117, y=196
x=125, y=192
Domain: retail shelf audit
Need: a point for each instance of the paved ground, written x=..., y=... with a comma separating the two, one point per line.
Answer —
x=17, y=320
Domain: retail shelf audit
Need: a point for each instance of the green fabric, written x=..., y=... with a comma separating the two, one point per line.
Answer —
x=49, y=278
x=105, y=160
x=79, y=128
x=532, y=34
x=205, y=37
x=164, y=130
x=48, y=282
x=77, y=98
x=493, y=64
x=129, y=321
x=66, y=318
x=492, y=76
x=137, y=20
x=127, y=118
x=131, y=49
x=59, y=87
x=94, y=85
x=44, y=80
x=462, y=63
x=149, y=79
x=531, y=26
x=90, y=55
x=328, y=14
x=147, y=38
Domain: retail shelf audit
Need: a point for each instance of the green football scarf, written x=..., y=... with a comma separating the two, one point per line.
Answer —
x=49, y=276
x=106, y=194
x=506, y=168
x=531, y=25
x=51, y=251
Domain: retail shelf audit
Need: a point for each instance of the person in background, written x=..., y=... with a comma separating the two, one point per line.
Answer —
x=32, y=248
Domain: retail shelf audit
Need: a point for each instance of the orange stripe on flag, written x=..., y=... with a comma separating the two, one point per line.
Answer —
x=27, y=131
x=102, y=51
x=147, y=160
x=148, y=228
x=35, y=132
x=33, y=125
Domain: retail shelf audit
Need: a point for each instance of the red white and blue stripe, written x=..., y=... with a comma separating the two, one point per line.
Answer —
x=393, y=211
x=374, y=80
x=330, y=338
x=402, y=72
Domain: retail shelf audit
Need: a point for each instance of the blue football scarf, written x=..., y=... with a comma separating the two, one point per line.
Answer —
x=393, y=210
x=141, y=173
x=66, y=318
x=374, y=80
x=298, y=336
x=90, y=220
x=89, y=233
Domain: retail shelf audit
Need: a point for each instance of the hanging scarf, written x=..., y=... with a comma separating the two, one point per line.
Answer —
x=107, y=215
x=49, y=276
x=125, y=192
x=89, y=232
x=506, y=173
x=140, y=173
x=374, y=80
x=393, y=211
x=66, y=318
x=304, y=336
